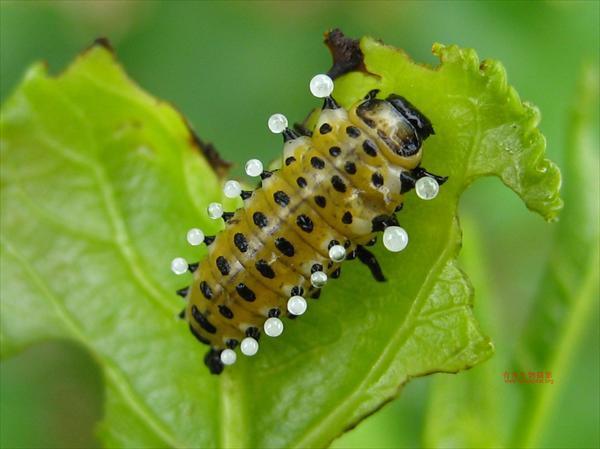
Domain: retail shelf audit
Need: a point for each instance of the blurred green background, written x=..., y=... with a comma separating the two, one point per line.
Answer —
x=227, y=66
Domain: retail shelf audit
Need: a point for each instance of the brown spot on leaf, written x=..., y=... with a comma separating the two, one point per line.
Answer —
x=346, y=53
x=207, y=149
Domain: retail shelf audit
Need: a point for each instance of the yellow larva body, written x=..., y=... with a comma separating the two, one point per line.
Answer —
x=329, y=190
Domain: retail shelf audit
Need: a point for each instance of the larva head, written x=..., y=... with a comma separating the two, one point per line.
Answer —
x=398, y=125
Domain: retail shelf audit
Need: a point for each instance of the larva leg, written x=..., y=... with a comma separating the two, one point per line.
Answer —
x=369, y=259
x=212, y=360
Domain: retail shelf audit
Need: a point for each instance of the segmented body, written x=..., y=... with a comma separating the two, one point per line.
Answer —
x=339, y=186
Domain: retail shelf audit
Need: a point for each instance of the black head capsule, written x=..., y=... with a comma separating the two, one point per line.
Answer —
x=330, y=103
x=289, y=134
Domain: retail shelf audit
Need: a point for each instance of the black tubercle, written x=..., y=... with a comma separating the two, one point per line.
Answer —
x=369, y=259
x=302, y=130
x=380, y=222
x=253, y=332
x=212, y=360
x=209, y=239
x=232, y=343
x=274, y=313
x=193, y=267
x=289, y=134
x=408, y=179
x=266, y=174
x=227, y=216
x=181, y=315
x=330, y=103
x=183, y=292
x=246, y=194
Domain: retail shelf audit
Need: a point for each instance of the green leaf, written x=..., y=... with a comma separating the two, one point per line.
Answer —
x=566, y=300
x=568, y=292
x=100, y=183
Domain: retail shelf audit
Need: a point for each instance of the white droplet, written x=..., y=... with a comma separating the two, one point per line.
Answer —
x=277, y=123
x=254, y=167
x=318, y=279
x=337, y=253
x=195, y=236
x=179, y=265
x=296, y=305
x=321, y=86
x=215, y=210
x=228, y=356
x=427, y=188
x=273, y=327
x=249, y=346
x=395, y=238
x=232, y=189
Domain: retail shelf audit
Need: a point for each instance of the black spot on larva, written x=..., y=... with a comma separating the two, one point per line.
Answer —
x=336, y=273
x=329, y=264
x=335, y=151
x=305, y=223
x=239, y=240
x=199, y=337
x=245, y=292
x=209, y=239
x=347, y=217
x=325, y=128
x=316, y=267
x=289, y=160
x=260, y=219
x=245, y=194
x=203, y=321
x=265, y=269
x=350, y=167
x=193, y=267
x=377, y=179
x=371, y=242
x=227, y=216
x=206, y=290
x=321, y=201
x=347, y=244
x=266, y=174
x=332, y=243
x=281, y=198
x=223, y=265
x=369, y=148
x=316, y=294
x=296, y=291
x=338, y=184
x=317, y=162
x=253, y=332
x=232, y=343
x=181, y=314
x=399, y=207
x=274, y=313
x=283, y=245
x=301, y=182
x=353, y=131
x=225, y=311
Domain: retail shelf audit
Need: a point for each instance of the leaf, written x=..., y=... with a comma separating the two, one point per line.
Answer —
x=568, y=292
x=99, y=185
x=567, y=297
